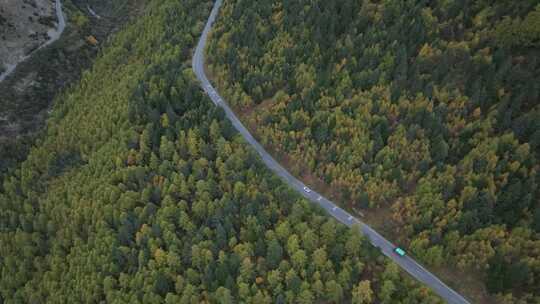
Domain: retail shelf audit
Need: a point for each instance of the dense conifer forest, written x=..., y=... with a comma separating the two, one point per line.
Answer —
x=140, y=191
x=423, y=112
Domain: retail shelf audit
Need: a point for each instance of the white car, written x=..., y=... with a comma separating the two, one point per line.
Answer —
x=307, y=189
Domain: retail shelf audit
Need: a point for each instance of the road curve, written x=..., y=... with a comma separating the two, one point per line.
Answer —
x=406, y=262
x=54, y=35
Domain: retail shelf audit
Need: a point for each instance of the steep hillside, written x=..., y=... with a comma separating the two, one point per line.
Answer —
x=27, y=94
x=423, y=115
x=141, y=192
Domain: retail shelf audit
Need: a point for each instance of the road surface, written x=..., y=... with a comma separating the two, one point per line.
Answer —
x=405, y=262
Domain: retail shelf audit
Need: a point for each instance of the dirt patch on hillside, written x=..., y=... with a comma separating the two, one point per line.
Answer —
x=24, y=26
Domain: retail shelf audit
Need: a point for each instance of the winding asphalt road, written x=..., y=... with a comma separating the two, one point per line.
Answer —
x=405, y=262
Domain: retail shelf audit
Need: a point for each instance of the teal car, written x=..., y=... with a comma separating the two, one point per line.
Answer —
x=399, y=251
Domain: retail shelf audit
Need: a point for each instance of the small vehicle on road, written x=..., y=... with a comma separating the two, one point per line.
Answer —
x=399, y=251
x=307, y=189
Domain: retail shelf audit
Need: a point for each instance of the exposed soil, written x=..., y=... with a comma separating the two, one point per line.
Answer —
x=24, y=26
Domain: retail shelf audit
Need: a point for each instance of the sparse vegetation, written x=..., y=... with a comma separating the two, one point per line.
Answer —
x=27, y=95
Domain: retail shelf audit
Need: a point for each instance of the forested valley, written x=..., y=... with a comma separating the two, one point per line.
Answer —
x=140, y=191
x=424, y=113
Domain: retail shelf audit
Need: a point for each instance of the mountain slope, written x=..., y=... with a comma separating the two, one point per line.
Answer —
x=425, y=114
x=141, y=192
x=28, y=94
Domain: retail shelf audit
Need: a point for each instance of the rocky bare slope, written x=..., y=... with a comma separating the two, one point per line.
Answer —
x=24, y=27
